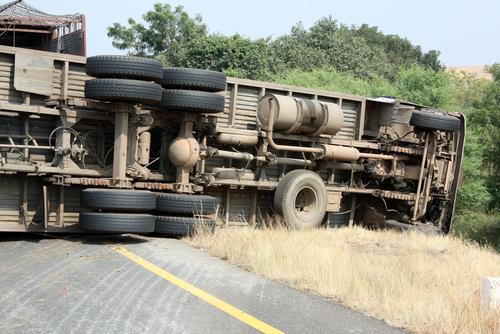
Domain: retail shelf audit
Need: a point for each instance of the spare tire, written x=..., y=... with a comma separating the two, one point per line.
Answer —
x=118, y=199
x=193, y=79
x=185, y=204
x=124, y=67
x=181, y=226
x=192, y=101
x=117, y=222
x=432, y=121
x=123, y=90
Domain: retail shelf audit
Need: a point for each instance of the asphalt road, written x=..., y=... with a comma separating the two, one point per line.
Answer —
x=83, y=285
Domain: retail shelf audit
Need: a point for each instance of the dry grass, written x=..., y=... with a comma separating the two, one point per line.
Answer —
x=428, y=284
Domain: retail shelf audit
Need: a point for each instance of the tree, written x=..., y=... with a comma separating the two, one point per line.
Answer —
x=400, y=51
x=177, y=39
x=328, y=44
x=486, y=119
x=425, y=86
x=473, y=195
x=236, y=55
x=165, y=31
x=469, y=91
x=295, y=52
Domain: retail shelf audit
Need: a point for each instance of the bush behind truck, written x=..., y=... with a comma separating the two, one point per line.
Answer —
x=119, y=144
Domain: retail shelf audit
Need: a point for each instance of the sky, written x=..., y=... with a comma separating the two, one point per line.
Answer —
x=466, y=32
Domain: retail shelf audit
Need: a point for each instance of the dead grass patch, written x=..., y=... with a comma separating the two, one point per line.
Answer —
x=428, y=284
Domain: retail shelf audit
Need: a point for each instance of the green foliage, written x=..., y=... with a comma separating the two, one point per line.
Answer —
x=478, y=203
x=425, y=86
x=468, y=91
x=473, y=195
x=328, y=44
x=416, y=84
x=486, y=118
x=487, y=109
x=235, y=54
x=179, y=40
x=167, y=30
x=294, y=52
x=334, y=80
x=400, y=51
x=483, y=228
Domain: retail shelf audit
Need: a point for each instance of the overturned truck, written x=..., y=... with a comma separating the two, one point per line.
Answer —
x=119, y=144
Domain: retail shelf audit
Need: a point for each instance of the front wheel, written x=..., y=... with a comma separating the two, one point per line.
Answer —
x=300, y=199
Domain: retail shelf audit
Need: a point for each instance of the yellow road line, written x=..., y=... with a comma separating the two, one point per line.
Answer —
x=205, y=296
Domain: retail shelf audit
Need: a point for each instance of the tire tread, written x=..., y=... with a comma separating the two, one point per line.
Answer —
x=180, y=226
x=433, y=121
x=185, y=204
x=192, y=101
x=123, y=90
x=117, y=199
x=117, y=222
x=124, y=67
x=193, y=79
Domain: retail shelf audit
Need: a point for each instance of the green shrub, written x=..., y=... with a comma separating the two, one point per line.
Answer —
x=425, y=86
x=328, y=78
x=473, y=194
x=480, y=227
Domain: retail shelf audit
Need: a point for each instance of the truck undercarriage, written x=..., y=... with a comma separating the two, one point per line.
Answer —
x=253, y=149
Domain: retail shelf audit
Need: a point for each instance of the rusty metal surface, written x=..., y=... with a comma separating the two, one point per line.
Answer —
x=33, y=74
x=21, y=13
x=402, y=149
x=397, y=195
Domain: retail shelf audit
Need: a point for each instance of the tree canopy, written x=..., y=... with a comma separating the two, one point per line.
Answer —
x=165, y=30
x=177, y=39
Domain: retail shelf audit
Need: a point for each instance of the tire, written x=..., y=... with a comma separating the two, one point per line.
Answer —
x=185, y=204
x=430, y=121
x=192, y=101
x=117, y=222
x=181, y=226
x=193, y=79
x=123, y=90
x=118, y=199
x=300, y=199
x=124, y=67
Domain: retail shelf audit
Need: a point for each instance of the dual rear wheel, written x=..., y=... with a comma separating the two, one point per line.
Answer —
x=117, y=210
x=143, y=80
x=123, y=79
x=142, y=211
x=183, y=214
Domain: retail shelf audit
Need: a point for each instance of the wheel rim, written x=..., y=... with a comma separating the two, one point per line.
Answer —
x=306, y=202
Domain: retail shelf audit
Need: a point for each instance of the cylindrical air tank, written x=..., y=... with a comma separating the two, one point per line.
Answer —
x=294, y=115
